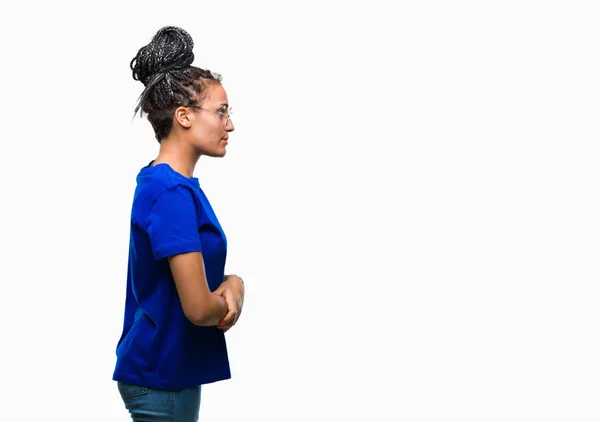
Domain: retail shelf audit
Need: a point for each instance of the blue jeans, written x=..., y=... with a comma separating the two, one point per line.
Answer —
x=153, y=405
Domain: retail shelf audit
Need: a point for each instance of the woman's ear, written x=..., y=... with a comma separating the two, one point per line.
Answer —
x=182, y=116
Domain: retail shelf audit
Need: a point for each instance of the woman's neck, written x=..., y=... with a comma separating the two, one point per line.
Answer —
x=181, y=157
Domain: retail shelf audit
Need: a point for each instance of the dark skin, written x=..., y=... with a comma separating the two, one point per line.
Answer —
x=198, y=132
x=232, y=289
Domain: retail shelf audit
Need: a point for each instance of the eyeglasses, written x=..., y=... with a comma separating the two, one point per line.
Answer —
x=222, y=112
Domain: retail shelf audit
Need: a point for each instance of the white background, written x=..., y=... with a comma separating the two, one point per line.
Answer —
x=411, y=196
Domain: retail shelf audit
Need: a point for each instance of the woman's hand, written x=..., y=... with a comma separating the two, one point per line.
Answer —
x=232, y=290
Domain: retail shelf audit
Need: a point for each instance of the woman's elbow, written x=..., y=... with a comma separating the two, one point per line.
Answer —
x=198, y=318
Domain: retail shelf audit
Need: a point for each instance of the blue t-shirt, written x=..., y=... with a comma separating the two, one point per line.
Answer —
x=160, y=347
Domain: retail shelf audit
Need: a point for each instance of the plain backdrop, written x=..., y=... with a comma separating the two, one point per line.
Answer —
x=411, y=196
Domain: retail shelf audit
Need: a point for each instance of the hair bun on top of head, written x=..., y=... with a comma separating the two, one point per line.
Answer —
x=170, y=49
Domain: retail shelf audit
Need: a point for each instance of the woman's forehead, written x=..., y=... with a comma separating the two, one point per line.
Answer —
x=215, y=94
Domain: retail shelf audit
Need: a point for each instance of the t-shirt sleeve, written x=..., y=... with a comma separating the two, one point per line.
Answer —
x=173, y=223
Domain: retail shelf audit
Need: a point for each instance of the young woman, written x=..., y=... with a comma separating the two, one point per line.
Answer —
x=178, y=302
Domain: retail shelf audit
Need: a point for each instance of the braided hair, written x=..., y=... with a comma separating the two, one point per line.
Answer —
x=164, y=67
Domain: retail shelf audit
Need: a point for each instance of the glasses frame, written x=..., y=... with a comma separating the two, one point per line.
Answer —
x=227, y=114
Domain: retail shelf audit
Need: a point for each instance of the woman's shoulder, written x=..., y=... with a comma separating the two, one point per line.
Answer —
x=154, y=182
x=161, y=176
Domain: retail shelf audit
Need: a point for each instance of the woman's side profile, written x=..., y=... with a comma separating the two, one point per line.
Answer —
x=178, y=303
